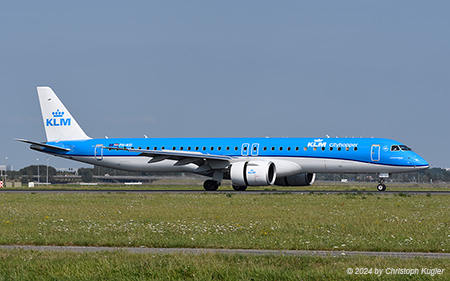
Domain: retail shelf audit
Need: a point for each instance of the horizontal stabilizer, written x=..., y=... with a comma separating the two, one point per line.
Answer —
x=44, y=145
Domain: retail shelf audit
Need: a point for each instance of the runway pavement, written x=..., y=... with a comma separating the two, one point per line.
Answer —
x=143, y=250
x=199, y=191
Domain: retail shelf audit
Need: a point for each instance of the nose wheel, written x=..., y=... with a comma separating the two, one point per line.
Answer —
x=381, y=186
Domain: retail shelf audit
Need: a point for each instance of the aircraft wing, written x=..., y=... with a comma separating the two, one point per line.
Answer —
x=41, y=146
x=183, y=157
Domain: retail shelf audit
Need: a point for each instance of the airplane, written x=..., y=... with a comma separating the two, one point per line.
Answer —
x=247, y=161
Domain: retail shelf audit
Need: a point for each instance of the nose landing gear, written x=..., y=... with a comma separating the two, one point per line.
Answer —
x=381, y=186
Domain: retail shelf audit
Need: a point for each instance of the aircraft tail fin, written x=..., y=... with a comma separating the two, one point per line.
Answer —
x=58, y=122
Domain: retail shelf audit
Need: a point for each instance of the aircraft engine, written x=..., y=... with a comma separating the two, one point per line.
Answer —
x=303, y=179
x=252, y=173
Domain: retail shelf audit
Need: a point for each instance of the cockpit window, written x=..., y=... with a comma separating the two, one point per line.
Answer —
x=395, y=148
x=401, y=147
x=405, y=148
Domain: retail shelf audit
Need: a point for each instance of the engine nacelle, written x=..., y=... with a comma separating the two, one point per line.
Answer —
x=252, y=173
x=303, y=179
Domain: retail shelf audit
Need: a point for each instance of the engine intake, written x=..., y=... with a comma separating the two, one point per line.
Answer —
x=304, y=179
x=251, y=173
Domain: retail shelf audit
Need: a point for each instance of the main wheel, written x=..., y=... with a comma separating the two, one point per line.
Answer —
x=239, y=188
x=381, y=187
x=211, y=185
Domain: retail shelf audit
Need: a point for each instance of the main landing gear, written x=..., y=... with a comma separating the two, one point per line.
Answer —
x=239, y=188
x=211, y=185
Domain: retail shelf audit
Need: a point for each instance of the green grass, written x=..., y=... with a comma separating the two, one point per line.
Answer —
x=369, y=222
x=31, y=265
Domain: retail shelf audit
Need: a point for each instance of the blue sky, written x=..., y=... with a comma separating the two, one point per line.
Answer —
x=230, y=68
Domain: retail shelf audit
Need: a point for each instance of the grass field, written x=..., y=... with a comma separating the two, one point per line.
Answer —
x=273, y=221
x=373, y=222
x=30, y=265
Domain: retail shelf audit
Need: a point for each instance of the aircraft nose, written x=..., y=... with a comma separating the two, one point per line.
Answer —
x=419, y=162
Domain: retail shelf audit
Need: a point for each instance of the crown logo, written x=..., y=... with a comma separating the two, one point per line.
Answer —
x=58, y=114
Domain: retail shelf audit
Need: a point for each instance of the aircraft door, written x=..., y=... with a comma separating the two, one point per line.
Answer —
x=98, y=152
x=375, y=152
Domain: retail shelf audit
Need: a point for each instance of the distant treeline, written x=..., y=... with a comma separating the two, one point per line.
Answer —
x=30, y=173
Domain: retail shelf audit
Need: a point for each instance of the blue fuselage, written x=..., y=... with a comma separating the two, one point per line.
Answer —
x=313, y=154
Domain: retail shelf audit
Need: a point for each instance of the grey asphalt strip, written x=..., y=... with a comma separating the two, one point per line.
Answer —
x=222, y=192
x=143, y=250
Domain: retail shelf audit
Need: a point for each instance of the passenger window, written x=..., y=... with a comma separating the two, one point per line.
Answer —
x=189, y=148
x=219, y=148
x=281, y=148
x=148, y=148
x=236, y=148
x=196, y=148
x=305, y=149
x=273, y=148
x=347, y=148
x=265, y=148
x=339, y=149
x=331, y=149
x=228, y=148
x=315, y=148
x=162, y=147
x=289, y=148
x=296, y=149
x=323, y=148
x=181, y=148
x=204, y=148
x=355, y=149
x=212, y=147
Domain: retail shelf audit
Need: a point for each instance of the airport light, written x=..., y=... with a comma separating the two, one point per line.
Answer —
x=47, y=172
x=6, y=168
x=37, y=161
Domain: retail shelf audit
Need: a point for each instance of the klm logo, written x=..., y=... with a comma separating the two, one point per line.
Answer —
x=317, y=143
x=57, y=120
